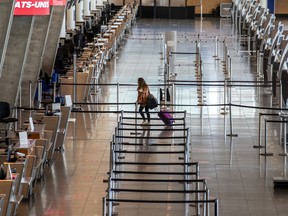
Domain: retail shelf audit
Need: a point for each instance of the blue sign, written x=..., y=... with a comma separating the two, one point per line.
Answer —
x=271, y=6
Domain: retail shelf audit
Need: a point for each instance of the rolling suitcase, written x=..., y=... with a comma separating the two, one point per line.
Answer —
x=166, y=117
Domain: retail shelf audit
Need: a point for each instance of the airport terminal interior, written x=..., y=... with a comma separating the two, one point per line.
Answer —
x=73, y=142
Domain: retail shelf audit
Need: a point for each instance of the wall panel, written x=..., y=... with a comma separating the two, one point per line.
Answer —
x=177, y=3
x=281, y=7
x=208, y=5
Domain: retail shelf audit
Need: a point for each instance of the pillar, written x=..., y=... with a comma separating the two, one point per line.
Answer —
x=99, y=2
x=87, y=6
x=93, y=4
x=171, y=41
x=79, y=11
x=63, y=27
x=70, y=17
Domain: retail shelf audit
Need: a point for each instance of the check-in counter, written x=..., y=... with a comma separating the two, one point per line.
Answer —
x=96, y=54
x=51, y=134
x=111, y=31
x=115, y=27
x=15, y=195
x=28, y=178
x=52, y=124
x=6, y=187
x=99, y=45
x=102, y=40
x=119, y=20
x=62, y=131
x=117, y=24
x=82, y=78
x=27, y=166
x=25, y=149
x=34, y=150
x=2, y=200
x=12, y=200
x=108, y=35
x=19, y=168
x=36, y=133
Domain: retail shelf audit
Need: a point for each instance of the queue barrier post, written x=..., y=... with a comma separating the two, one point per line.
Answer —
x=136, y=130
x=230, y=114
x=265, y=141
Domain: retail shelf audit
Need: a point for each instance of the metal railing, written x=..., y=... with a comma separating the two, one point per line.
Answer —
x=193, y=185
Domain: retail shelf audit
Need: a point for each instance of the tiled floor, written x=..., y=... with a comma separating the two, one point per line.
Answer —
x=240, y=178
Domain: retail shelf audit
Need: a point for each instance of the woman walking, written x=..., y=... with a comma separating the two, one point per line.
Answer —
x=142, y=99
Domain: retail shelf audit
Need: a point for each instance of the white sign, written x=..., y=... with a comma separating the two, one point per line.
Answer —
x=55, y=106
x=68, y=100
x=31, y=124
x=23, y=137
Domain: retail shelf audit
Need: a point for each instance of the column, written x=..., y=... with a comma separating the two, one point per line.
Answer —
x=93, y=4
x=63, y=27
x=79, y=11
x=70, y=17
x=171, y=41
x=87, y=7
x=99, y=2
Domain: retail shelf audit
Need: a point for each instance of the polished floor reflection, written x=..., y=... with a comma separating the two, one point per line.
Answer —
x=237, y=175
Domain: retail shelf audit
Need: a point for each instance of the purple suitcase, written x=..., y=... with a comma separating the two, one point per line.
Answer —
x=166, y=117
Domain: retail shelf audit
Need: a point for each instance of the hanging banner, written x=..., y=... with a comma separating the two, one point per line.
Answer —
x=32, y=7
x=58, y=2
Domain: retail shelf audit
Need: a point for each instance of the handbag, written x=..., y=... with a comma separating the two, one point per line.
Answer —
x=2, y=173
x=152, y=102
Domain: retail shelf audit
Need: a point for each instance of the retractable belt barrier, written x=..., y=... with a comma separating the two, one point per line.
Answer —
x=131, y=152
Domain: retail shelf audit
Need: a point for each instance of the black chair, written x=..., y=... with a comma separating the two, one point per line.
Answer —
x=5, y=115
